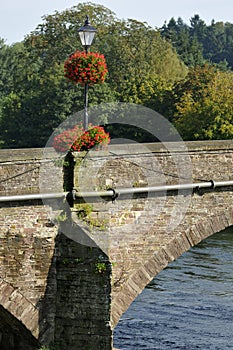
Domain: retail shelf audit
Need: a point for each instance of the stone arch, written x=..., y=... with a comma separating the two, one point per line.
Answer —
x=178, y=244
x=13, y=334
x=19, y=308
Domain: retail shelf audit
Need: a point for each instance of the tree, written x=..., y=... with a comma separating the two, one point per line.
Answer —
x=198, y=27
x=44, y=97
x=11, y=63
x=185, y=39
x=204, y=104
x=199, y=43
x=141, y=66
x=139, y=59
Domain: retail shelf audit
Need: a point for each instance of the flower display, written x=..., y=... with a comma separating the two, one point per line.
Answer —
x=64, y=141
x=76, y=139
x=86, y=68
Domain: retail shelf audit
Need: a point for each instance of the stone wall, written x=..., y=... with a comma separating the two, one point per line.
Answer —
x=141, y=230
x=51, y=286
x=21, y=171
x=83, y=297
x=26, y=263
x=67, y=275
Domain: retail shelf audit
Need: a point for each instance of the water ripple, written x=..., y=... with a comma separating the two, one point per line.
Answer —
x=188, y=306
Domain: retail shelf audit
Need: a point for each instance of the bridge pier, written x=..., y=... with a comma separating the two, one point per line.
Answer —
x=83, y=297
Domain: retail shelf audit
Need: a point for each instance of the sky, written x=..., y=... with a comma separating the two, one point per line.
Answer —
x=19, y=17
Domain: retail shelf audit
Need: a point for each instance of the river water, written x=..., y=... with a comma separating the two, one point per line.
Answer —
x=189, y=305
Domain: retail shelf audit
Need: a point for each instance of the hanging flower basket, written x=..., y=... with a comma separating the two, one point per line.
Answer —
x=76, y=139
x=86, y=68
x=93, y=137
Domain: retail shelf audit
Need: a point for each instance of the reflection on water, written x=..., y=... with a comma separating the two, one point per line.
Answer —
x=187, y=306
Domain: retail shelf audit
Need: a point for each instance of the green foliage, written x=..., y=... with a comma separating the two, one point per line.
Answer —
x=84, y=212
x=34, y=95
x=48, y=348
x=204, y=104
x=100, y=267
x=185, y=39
x=131, y=132
x=198, y=43
x=141, y=63
x=62, y=217
x=144, y=68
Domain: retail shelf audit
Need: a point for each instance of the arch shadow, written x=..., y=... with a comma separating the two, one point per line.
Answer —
x=18, y=320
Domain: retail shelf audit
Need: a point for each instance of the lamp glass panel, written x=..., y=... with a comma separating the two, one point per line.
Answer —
x=86, y=38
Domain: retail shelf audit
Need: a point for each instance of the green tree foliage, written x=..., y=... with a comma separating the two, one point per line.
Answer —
x=36, y=81
x=218, y=45
x=141, y=63
x=203, y=104
x=136, y=54
x=146, y=66
x=185, y=39
x=35, y=97
x=42, y=100
x=198, y=43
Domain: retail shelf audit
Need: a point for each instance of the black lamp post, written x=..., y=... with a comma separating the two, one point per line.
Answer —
x=86, y=33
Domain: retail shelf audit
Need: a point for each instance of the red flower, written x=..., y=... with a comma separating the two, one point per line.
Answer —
x=86, y=68
x=76, y=139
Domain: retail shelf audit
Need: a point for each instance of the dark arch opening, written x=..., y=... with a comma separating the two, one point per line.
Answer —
x=13, y=334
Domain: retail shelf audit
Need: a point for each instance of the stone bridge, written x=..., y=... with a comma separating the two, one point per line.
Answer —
x=71, y=267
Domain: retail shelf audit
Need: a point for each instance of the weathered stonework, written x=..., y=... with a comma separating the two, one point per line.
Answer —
x=139, y=240
x=72, y=292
